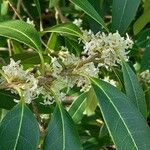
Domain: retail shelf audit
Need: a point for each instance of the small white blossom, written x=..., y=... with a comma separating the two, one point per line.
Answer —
x=31, y=22
x=145, y=75
x=88, y=69
x=48, y=99
x=56, y=67
x=77, y=22
x=111, y=81
x=67, y=58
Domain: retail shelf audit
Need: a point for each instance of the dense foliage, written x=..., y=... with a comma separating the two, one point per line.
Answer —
x=74, y=74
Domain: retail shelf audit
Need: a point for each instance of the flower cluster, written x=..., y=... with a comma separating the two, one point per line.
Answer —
x=67, y=70
x=20, y=80
x=111, y=47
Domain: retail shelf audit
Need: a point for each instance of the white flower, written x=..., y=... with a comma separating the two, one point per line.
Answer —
x=145, y=75
x=14, y=71
x=21, y=79
x=112, y=47
x=56, y=67
x=88, y=69
x=31, y=22
x=111, y=81
x=77, y=22
x=67, y=58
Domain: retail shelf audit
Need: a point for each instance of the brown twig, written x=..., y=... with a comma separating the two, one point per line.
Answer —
x=58, y=14
x=18, y=8
x=14, y=9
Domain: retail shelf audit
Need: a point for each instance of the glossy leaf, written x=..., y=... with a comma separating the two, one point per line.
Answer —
x=77, y=108
x=123, y=12
x=143, y=19
x=19, y=130
x=125, y=123
x=133, y=89
x=62, y=134
x=65, y=28
x=22, y=32
x=89, y=10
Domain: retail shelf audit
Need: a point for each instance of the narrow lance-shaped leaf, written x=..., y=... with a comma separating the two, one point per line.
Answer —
x=77, y=108
x=123, y=12
x=62, y=134
x=65, y=28
x=133, y=89
x=22, y=32
x=19, y=129
x=125, y=123
x=37, y=3
x=89, y=10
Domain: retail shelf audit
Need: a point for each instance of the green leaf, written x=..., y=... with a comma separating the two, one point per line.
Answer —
x=73, y=46
x=145, y=64
x=62, y=134
x=38, y=7
x=89, y=10
x=142, y=21
x=125, y=123
x=19, y=130
x=4, y=8
x=16, y=47
x=6, y=99
x=123, y=12
x=91, y=102
x=65, y=28
x=77, y=108
x=133, y=89
x=37, y=4
x=143, y=38
x=53, y=3
x=52, y=41
x=22, y=32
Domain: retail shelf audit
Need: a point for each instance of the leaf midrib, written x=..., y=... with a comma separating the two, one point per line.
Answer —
x=117, y=112
x=94, y=12
x=78, y=108
x=20, y=125
x=57, y=30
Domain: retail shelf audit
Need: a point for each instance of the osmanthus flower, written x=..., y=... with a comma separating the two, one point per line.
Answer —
x=78, y=22
x=111, y=47
x=20, y=80
x=145, y=76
